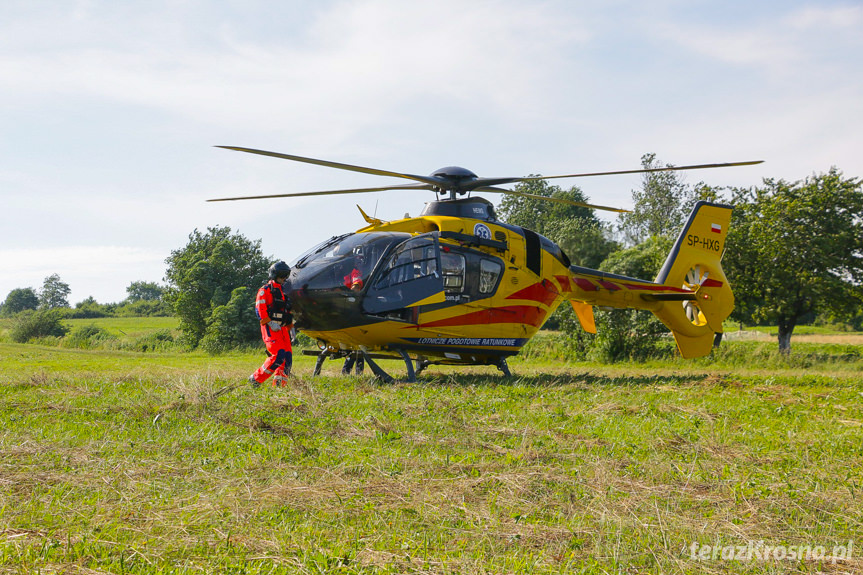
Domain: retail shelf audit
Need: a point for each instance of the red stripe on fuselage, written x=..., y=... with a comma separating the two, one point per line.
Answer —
x=564, y=283
x=541, y=292
x=585, y=284
x=526, y=314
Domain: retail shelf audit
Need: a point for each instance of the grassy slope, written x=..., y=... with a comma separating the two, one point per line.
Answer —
x=148, y=463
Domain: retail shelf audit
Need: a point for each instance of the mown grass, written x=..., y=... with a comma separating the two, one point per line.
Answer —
x=128, y=462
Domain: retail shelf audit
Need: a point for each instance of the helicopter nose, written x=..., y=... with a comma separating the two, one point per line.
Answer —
x=325, y=309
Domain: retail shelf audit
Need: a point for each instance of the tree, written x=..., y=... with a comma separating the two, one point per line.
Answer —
x=233, y=324
x=662, y=205
x=577, y=230
x=586, y=243
x=54, y=293
x=628, y=334
x=90, y=308
x=20, y=299
x=203, y=275
x=143, y=291
x=795, y=249
x=536, y=214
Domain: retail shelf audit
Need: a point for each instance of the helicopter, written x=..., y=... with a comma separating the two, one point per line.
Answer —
x=457, y=286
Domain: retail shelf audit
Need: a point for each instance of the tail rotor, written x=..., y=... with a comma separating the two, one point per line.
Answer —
x=695, y=278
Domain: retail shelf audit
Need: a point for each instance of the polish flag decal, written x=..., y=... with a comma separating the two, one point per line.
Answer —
x=716, y=228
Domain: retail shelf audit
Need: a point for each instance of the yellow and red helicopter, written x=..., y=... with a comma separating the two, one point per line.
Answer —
x=457, y=286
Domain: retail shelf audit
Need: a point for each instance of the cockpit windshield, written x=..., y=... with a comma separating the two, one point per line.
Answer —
x=303, y=259
x=346, y=258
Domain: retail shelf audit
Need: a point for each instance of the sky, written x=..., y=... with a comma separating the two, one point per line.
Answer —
x=110, y=111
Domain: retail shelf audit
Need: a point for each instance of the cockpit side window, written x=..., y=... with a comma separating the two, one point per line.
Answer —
x=414, y=260
x=407, y=275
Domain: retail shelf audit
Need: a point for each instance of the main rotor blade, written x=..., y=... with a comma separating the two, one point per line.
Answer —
x=328, y=192
x=480, y=183
x=550, y=199
x=337, y=165
x=642, y=171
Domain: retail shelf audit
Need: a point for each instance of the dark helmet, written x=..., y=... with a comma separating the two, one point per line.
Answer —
x=279, y=270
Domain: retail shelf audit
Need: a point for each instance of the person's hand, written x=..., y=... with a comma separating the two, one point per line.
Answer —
x=274, y=325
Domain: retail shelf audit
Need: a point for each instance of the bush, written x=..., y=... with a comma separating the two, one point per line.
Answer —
x=304, y=342
x=143, y=308
x=87, y=337
x=90, y=309
x=624, y=334
x=232, y=325
x=627, y=335
x=36, y=324
x=161, y=340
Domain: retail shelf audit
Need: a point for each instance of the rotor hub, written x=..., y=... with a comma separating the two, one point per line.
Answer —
x=453, y=179
x=454, y=173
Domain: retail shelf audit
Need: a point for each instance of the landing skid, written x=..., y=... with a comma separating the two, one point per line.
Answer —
x=376, y=369
x=326, y=354
x=421, y=363
x=503, y=367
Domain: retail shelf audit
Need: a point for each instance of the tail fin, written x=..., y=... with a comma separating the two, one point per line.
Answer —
x=694, y=263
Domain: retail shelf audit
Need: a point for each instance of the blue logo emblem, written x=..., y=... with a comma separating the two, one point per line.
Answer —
x=482, y=231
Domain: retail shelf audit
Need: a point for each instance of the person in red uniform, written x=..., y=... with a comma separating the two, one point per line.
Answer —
x=354, y=280
x=273, y=309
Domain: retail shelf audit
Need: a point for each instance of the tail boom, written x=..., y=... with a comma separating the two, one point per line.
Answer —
x=690, y=295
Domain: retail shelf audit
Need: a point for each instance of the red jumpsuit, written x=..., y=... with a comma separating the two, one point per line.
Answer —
x=278, y=343
x=354, y=280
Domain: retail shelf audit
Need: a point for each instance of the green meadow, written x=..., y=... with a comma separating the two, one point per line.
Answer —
x=119, y=461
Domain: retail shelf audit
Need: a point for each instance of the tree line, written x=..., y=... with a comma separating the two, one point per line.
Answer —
x=40, y=314
x=143, y=299
x=794, y=255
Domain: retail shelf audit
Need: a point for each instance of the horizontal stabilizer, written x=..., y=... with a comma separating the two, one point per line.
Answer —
x=668, y=296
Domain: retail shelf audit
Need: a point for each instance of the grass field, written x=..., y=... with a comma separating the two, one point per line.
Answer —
x=126, y=462
x=128, y=327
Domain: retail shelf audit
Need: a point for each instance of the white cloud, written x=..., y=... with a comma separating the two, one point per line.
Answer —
x=360, y=65
x=830, y=18
x=787, y=43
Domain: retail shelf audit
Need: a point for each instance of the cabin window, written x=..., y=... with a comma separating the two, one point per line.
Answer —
x=489, y=272
x=453, y=271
